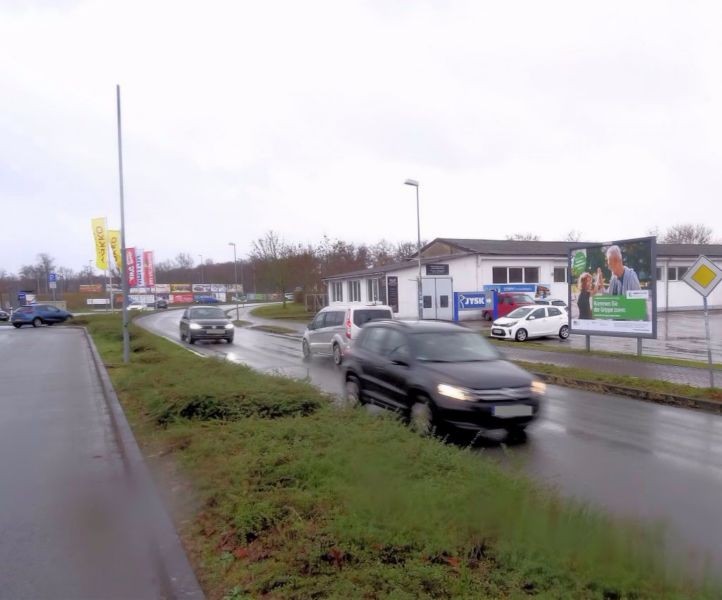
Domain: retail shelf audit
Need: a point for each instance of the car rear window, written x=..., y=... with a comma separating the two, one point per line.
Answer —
x=363, y=316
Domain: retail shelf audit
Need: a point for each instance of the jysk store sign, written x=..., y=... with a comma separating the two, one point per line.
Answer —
x=468, y=301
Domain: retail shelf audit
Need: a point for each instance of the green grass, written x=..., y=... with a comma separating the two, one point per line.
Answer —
x=242, y=323
x=273, y=329
x=565, y=347
x=292, y=311
x=651, y=386
x=297, y=499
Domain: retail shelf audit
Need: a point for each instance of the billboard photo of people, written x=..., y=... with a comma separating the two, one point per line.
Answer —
x=613, y=289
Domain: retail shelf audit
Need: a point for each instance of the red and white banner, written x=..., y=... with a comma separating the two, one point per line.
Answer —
x=148, y=269
x=139, y=267
x=181, y=298
x=131, y=266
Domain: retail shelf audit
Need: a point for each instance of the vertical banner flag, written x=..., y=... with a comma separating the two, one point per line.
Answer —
x=115, y=246
x=101, y=243
x=131, y=267
x=139, y=267
x=148, y=269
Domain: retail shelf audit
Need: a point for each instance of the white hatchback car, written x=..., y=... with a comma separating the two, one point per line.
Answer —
x=532, y=321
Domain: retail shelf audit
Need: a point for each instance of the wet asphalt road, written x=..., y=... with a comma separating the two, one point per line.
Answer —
x=75, y=520
x=629, y=457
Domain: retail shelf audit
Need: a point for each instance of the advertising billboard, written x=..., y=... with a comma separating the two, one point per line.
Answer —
x=613, y=288
x=180, y=288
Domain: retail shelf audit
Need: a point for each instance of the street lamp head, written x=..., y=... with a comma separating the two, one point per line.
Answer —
x=231, y=243
x=411, y=182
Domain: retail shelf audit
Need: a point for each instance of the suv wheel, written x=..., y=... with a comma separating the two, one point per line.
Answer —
x=421, y=417
x=191, y=341
x=521, y=335
x=306, y=350
x=352, y=393
x=17, y=325
x=564, y=332
x=337, y=355
x=37, y=322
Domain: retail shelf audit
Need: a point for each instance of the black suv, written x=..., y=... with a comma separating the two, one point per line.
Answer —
x=440, y=374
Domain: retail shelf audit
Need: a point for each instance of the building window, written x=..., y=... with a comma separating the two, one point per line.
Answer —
x=681, y=272
x=658, y=274
x=516, y=275
x=560, y=274
x=427, y=301
x=337, y=291
x=531, y=274
x=443, y=301
x=354, y=291
x=498, y=275
x=373, y=290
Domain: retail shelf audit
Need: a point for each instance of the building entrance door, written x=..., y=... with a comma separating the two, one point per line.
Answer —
x=437, y=295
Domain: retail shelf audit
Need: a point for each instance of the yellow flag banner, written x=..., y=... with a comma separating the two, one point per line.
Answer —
x=114, y=239
x=101, y=243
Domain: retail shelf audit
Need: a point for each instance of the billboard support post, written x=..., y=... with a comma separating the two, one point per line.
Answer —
x=588, y=342
x=709, y=347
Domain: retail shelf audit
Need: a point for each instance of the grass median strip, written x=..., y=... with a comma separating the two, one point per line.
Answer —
x=292, y=311
x=297, y=499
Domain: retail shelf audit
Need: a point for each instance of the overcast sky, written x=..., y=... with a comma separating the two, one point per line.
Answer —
x=307, y=117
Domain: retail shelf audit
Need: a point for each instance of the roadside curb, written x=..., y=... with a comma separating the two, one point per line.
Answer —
x=177, y=576
x=608, y=388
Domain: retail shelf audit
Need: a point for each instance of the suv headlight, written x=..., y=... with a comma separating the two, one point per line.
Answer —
x=195, y=326
x=538, y=387
x=457, y=393
x=229, y=325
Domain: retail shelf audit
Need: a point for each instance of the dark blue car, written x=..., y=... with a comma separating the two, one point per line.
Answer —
x=39, y=314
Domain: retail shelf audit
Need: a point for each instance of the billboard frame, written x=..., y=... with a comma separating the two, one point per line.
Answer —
x=652, y=240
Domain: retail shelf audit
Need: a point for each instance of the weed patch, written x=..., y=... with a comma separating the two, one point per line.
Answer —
x=299, y=500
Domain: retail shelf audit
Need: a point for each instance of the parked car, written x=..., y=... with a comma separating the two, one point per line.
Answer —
x=335, y=327
x=136, y=306
x=507, y=302
x=206, y=323
x=39, y=314
x=552, y=302
x=160, y=303
x=440, y=375
x=4, y=316
x=207, y=300
x=532, y=321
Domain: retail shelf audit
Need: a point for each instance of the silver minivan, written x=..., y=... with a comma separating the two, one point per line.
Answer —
x=335, y=327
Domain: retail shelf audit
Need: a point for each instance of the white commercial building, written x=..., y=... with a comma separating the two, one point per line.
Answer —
x=466, y=266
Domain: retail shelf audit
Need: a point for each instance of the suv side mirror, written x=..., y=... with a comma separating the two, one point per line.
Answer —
x=531, y=318
x=399, y=358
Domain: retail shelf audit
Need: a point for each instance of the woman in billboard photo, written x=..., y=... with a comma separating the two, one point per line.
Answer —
x=584, y=299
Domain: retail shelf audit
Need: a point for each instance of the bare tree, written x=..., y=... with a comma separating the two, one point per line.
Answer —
x=184, y=261
x=272, y=253
x=524, y=237
x=687, y=233
x=573, y=236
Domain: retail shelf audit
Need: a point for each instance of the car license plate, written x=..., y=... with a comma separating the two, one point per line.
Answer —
x=515, y=410
x=497, y=331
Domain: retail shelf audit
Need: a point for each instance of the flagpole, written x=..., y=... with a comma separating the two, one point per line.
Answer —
x=123, y=269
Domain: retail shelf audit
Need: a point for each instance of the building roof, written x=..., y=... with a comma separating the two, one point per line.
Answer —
x=468, y=247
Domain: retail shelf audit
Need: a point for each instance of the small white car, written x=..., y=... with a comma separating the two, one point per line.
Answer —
x=530, y=322
x=136, y=306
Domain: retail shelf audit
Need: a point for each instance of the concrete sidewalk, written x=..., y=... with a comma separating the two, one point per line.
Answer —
x=79, y=515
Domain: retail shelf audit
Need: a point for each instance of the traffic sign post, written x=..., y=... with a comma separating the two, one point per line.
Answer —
x=53, y=282
x=703, y=276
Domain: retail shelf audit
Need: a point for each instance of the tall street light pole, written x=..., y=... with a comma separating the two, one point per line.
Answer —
x=235, y=276
x=90, y=271
x=124, y=259
x=414, y=183
x=201, y=266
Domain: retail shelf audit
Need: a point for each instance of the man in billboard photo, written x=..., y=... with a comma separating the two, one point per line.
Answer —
x=623, y=278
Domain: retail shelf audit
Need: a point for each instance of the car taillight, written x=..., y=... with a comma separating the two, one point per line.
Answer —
x=348, y=324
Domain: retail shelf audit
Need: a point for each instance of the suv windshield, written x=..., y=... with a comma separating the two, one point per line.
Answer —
x=207, y=313
x=452, y=346
x=518, y=313
x=361, y=317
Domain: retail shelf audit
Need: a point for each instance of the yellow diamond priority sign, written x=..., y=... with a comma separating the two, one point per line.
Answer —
x=703, y=276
